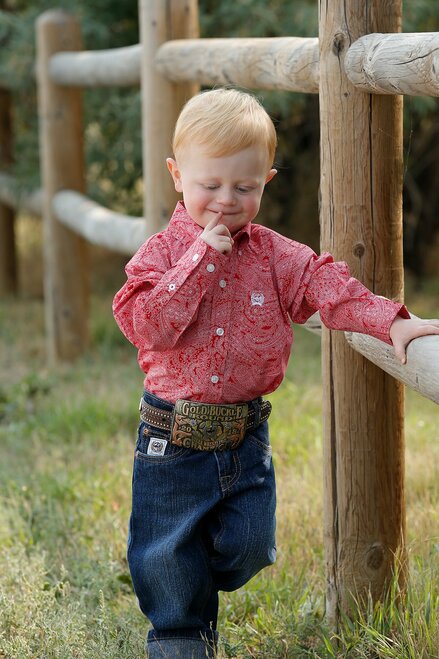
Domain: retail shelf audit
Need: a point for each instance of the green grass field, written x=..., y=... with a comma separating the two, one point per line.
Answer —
x=66, y=442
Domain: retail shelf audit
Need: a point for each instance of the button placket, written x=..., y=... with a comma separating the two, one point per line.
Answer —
x=219, y=324
x=222, y=324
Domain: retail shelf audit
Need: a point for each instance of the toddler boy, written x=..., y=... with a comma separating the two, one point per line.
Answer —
x=208, y=303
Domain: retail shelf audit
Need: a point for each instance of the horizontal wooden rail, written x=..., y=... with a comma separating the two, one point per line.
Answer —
x=97, y=68
x=395, y=63
x=118, y=232
x=288, y=63
x=11, y=195
x=421, y=372
x=100, y=226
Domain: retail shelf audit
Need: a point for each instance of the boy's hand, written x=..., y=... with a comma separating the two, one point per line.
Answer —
x=218, y=236
x=404, y=330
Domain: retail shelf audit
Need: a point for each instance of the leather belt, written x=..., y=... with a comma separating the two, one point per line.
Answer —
x=206, y=426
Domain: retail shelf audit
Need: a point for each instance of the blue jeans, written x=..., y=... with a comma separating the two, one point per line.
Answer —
x=202, y=521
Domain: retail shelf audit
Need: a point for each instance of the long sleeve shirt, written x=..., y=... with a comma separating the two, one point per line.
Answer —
x=217, y=328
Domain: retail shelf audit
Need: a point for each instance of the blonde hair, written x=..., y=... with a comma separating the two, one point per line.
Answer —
x=225, y=121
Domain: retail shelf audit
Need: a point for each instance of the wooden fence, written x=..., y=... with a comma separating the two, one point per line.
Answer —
x=360, y=65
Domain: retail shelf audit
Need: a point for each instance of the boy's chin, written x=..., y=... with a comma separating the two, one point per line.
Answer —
x=233, y=228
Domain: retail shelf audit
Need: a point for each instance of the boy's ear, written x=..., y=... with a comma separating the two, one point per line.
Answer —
x=175, y=173
x=271, y=174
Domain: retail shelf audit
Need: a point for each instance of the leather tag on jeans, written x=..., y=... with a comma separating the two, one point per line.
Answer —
x=157, y=446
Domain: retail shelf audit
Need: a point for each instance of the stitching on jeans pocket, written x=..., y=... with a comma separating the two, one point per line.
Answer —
x=265, y=447
x=159, y=460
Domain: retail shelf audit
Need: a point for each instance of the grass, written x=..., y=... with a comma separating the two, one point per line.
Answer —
x=66, y=441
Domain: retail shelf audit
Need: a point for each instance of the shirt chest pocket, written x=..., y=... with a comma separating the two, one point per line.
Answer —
x=261, y=308
x=262, y=314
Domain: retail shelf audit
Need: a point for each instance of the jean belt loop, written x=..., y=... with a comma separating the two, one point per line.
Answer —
x=257, y=408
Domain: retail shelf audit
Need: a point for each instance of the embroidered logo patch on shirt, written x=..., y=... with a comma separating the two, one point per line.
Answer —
x=157, y=446
x=257, y=298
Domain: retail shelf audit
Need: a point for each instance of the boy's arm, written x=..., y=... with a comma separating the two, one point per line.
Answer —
x=404, y=330
x=346, y=304
x=159, y=301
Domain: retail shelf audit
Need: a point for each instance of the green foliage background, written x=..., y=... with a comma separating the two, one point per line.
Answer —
x=113, y=121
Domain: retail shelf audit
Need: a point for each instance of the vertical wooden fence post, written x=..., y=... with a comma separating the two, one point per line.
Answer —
x=62, y=167
x=160, y=21
x=8, y=255
x=361, y=223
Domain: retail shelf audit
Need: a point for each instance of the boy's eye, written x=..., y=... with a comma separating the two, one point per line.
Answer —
x=243, y=189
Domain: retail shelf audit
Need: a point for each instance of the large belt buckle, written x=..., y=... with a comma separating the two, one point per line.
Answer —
x=208, y=427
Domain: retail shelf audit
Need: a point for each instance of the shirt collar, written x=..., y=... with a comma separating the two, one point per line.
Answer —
x=183, y=225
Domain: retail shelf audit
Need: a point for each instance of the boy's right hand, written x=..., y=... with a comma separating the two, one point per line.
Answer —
x=218, y=236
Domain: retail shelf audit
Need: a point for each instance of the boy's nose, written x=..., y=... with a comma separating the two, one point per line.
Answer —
x=226, y=198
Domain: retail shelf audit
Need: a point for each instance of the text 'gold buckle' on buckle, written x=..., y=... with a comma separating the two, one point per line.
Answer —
x=208, y=427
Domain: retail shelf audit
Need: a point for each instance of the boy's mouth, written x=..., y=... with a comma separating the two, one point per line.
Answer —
x=224, y=213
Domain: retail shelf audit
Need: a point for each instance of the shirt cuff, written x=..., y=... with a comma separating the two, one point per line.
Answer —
x=392, y=310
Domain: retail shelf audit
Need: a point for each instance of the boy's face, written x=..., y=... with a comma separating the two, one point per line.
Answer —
x=231, y=185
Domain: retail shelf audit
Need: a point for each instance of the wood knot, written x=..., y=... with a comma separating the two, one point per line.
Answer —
x=375, y=557
x=359, y=249
x=338, y=43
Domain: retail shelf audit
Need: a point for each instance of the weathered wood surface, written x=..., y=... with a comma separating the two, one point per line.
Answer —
x=395, y=63
x=100, y=226
x=162, y=100
x=361, y=223
x=62, y=167
x=289, y=63
x=11, y=195
x=97, y=68
x=376, y=63
x=421, y=372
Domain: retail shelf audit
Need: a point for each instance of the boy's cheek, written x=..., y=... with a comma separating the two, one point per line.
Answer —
x=253, y=207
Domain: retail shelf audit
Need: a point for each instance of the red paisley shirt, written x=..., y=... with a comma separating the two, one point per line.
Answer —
x=217, y=328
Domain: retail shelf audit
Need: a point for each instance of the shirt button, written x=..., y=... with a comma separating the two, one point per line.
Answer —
x=214, y=379
x=195, y=257
x=223, y=283
x=220, y=331
x=210, y=267
x=171, y=287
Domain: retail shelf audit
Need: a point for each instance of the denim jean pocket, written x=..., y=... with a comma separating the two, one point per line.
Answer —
x=154, y=445
x=259, y=437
